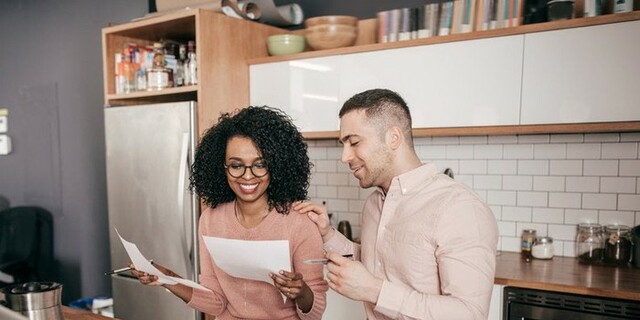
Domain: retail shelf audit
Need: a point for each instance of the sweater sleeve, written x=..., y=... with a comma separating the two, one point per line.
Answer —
x=214, y=302
x=308, y=245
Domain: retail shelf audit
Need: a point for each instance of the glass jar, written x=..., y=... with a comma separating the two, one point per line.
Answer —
x=617, y=244
x=589, y=243
x=542, y=248
x=527, y=240
x=159, y=76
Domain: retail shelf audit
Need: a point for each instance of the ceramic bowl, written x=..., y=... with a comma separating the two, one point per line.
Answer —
x=343, y=20
x=282, y=44
x=329, y=36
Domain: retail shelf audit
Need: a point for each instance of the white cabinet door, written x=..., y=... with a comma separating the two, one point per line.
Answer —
x=589, y=74
x=307, y=90
x=464, y=83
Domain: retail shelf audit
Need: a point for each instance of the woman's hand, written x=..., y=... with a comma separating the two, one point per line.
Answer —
x=149, y=279
x=317, y=213
x=290, y=284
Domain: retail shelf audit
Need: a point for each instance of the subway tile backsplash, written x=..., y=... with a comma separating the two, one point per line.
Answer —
x=546, y=182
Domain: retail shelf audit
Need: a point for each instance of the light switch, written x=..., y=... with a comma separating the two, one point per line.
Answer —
x=5, y=144
x=4, y=119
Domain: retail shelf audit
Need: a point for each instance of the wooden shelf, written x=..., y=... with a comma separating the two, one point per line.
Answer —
x=596, y=127
x=223, y=44
x=143, y=97
x=367, y=29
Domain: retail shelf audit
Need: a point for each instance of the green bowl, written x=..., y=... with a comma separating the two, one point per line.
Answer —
x=282, y=44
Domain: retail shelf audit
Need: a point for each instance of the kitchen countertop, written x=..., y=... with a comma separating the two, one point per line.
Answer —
x=75, y=314
x=566, y=274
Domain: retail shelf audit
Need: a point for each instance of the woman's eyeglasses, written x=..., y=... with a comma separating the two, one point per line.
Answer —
x=237, y=170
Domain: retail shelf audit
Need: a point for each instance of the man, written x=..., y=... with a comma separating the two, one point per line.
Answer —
x=428, y=243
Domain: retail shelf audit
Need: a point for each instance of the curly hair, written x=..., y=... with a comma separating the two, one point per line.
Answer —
x=278, y=142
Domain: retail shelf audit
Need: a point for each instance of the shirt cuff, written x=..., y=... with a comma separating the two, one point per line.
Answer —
x=390, y=299
x=337, y=242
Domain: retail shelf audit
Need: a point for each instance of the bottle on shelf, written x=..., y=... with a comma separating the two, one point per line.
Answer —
x=192, y=64
x=127, y=70
x=180, y=66
x=159, y=76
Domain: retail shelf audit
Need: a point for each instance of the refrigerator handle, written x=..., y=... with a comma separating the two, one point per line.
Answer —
x=184, y=154
x=195, y=200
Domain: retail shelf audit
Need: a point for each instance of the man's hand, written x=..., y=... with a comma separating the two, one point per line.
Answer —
x=351, y=279
x=317, y=213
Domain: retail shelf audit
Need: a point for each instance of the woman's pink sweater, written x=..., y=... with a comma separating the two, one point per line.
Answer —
x=235, y=298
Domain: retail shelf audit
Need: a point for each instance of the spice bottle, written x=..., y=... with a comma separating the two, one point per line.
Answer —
x=542, y=248
x=528, y=238
x=159, y=76
x=617, y=244
x=589, y=243
x=191, y=67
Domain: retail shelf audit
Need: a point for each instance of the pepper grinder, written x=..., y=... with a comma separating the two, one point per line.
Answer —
x=344, y=227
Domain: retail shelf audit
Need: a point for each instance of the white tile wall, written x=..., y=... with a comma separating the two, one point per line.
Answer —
x=546, y=182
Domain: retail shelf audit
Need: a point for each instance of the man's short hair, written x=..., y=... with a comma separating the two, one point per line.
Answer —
x=385, y=108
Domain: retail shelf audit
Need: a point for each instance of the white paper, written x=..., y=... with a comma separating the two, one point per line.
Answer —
x=251, y=260
x=142, y=264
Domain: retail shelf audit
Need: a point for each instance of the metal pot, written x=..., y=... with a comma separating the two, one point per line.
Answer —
x=36, y=300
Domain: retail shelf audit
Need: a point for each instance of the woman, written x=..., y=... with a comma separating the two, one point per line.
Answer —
x=249, y=169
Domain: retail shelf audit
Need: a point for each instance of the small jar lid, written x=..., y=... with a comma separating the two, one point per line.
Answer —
x=619, y=228
x=544, y=240
x=590, y=226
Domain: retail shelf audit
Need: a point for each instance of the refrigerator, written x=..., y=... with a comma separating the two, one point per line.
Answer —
x=148, y=157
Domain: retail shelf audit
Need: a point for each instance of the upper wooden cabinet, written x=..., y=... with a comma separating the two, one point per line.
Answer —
x=567, y=76
x=589, y=74
x=223, y=45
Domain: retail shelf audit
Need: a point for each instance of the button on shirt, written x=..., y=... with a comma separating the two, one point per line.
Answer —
x=433, y=242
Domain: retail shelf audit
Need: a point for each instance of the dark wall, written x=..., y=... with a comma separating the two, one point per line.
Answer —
x=51, y=82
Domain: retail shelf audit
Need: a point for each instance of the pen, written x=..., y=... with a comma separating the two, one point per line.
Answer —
x=114, y=271
x=125, y=269
x=323, y=261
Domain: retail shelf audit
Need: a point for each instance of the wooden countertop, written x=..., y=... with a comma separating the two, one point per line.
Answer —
x=565, y=274
x=75, y=314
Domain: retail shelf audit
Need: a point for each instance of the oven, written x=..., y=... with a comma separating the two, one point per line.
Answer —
x=530, y=304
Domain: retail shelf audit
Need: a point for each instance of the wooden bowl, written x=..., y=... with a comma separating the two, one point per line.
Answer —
x=329, y=36
x=344, y=20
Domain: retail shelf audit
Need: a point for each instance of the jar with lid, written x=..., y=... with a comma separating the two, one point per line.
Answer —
x=159, y=76
x=542, y=248
x=527, y=240
x=589, y=243
x=617, y=244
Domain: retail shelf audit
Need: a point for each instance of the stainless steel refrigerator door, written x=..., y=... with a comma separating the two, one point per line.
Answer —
x=147, y=149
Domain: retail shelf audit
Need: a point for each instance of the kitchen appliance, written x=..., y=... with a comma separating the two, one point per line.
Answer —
x=148, y=153
x=530, y=304
x=36, y=300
